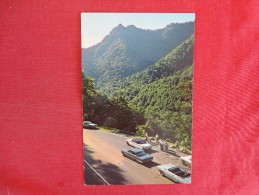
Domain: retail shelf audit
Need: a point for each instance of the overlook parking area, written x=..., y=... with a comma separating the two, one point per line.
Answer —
x=105, y=165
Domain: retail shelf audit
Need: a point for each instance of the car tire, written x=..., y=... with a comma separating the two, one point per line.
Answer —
x=161, y=173
x=128, y=143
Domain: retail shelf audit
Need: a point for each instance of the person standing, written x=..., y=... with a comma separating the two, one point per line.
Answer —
x=161, y=144
x=157, y=138
x=177, y=145
x=146, y=135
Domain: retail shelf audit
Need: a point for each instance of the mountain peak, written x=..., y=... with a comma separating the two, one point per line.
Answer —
x=120, y=26
x=131, y=26
x=129, y=49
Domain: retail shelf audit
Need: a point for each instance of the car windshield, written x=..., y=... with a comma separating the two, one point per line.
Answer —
x=183, y=174
x=186, y=175
x=179, y=172
x=140, y=142
x=140, y=153
x=173, y=170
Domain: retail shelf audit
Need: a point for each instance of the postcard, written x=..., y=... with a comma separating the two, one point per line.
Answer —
x=137, y=85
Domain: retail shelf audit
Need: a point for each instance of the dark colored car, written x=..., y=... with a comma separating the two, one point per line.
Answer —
x=89, y=124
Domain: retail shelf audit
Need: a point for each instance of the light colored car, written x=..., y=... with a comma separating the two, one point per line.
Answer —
x=89, y=124
x=174, y=173
x=137, y=155
x=138, y=143
x=186, y=160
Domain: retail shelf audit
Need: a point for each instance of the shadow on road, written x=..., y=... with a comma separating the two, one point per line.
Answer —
x=151, y=151
x=151, y=164
x=173, y=153
x=110, y=172
x=91, y=129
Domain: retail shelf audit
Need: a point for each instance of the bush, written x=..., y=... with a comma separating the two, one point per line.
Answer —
x=141, y=130
x=111, y=122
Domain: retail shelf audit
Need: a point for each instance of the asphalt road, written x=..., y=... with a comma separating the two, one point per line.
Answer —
x=102, y=151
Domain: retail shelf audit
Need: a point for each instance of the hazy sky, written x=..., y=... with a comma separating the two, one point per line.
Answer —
x=95, y=26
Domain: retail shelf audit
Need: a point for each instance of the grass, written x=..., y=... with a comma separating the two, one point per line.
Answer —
x=114, y=130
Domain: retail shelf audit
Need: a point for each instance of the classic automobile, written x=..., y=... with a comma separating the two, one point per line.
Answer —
x=186, y=160
x=174, y=173
x=137, y=155
x=89, y=124
x=138, y=143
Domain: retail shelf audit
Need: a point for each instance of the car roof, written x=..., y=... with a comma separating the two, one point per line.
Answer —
x=168, y=166
x=135, y=150
x=136, y=139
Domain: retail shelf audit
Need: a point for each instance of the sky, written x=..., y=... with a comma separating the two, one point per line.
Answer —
x=95, y=26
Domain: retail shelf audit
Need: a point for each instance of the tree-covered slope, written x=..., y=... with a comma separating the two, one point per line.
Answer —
x=163, y=91
x=179, y=58
x=128, y=50
x=110, y=112
x=168, y=106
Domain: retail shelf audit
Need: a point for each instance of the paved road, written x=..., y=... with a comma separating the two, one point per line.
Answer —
x=102, y=150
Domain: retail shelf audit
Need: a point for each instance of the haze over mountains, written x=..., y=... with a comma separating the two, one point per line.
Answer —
x=127, y=50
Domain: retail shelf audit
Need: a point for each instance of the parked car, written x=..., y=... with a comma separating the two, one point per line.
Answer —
x=174, y=173
x=89, y=124
x=138, y=143
x=137, y=155
x=186, y=160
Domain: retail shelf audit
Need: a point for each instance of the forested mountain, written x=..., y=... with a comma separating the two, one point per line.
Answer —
x=163, y=91
x=143, y=81
x=128, y=50
x=110, y=112
x=178, y=59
